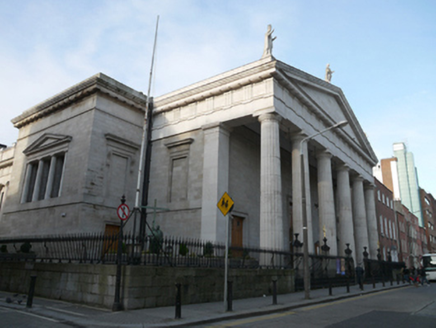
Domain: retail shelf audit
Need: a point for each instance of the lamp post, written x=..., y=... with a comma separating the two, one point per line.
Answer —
x=306, y=276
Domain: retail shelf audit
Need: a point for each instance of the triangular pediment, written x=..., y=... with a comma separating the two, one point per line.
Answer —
x=328, y=103
x=47, y=141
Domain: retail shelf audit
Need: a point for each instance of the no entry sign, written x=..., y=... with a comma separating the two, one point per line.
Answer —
x=123, y=212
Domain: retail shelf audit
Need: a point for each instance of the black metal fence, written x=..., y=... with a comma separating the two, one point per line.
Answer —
x=324, y=270
x=382, y=271
x=172, y=251
x=169, y=251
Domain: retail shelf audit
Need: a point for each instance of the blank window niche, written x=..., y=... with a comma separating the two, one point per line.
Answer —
x=179, y=179
x=120, y=163
x=178, y=169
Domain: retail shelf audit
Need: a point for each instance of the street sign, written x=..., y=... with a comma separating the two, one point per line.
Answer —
x=123, y=212
x=225, y=204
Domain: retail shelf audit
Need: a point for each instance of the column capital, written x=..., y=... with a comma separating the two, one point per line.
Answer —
x=357, y=178
x=324, y=154
x=368, y=185
x=216, y=125
x=343, y=167
x=297, y=136
x=269, y=117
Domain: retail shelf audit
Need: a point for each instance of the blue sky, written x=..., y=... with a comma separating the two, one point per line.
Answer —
x=383, y=54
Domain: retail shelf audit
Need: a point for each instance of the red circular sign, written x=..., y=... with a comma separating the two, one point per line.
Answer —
x=123, y=212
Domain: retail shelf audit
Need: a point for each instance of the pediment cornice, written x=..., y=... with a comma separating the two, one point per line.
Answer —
x=45, y=142
x=297, y=82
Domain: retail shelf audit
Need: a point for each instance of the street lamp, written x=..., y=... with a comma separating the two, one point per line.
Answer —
x=306, y=276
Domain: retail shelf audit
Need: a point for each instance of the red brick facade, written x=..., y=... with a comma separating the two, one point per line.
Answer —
x=428, y=206
x=386, y=223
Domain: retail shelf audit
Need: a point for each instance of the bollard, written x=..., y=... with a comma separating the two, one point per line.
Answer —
x=383, y=280
x=330, y=288
x=178, y=301
x=373, y=282
x=398, y=279
x=348, y=285
x=31, y=291
x=274, y=292
x=229, y=296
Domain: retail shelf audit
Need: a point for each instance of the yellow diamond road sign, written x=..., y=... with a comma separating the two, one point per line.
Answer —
x=225, y=204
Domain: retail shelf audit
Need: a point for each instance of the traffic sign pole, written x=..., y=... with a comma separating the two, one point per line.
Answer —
x=226, y=263
x=122, y=210
x=225, y=205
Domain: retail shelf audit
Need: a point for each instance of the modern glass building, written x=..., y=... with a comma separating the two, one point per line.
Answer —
x=408, y=180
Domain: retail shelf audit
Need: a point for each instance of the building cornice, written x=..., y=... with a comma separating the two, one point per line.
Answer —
x=7, y=162
x=233, y=79
x=95, y=84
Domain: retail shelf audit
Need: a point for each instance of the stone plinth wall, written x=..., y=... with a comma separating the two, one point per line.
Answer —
x=141, y=286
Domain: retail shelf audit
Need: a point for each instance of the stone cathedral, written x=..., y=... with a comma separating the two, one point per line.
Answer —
x=239, y=132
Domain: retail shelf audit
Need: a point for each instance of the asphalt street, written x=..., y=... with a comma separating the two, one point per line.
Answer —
x=396, y=308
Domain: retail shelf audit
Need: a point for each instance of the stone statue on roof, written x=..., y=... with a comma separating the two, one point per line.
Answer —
x=328, y=73
x=267, y=49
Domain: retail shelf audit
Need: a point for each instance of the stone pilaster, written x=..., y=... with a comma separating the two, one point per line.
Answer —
x=215, y=181
x=271, y=207
x=359, y=219
x=371, y=218
x=345, y=212
x=327, y=217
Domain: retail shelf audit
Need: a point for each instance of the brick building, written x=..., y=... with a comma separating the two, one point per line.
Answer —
x=387, y=224
x=428, y=205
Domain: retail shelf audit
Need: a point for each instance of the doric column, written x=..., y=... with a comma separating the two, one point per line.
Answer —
x=37, y=181
x=371, y=218
x=271, y=208
x=345, y=212
x=359, y=219
x=297, y=201
x=215, y=181
x=327, y=217
x=50, y=177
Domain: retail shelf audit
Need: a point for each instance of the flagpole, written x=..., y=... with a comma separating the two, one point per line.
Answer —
x=145, y=126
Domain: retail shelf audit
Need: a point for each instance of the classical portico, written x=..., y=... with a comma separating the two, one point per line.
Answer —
x=247, y=127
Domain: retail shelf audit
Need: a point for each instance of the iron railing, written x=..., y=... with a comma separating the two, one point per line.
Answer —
x=169, y=251
x=166, y=251
x=175, y=251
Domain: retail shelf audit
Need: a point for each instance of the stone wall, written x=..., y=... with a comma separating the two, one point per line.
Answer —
x=142, y=286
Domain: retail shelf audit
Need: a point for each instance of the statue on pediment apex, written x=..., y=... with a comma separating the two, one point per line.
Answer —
x=328, y=73
x=267, y=49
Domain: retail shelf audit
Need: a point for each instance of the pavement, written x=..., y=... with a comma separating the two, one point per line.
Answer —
x=78, y=315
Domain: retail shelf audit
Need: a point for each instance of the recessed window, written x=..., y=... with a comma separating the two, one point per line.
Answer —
x=43, y=178
x=2, y=195
x=381, y=225
x=45, y=167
